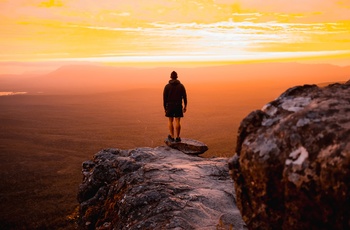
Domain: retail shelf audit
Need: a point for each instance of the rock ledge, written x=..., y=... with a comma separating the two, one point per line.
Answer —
x=156, y=188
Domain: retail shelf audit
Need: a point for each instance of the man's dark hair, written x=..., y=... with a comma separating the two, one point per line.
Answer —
x=173, y=75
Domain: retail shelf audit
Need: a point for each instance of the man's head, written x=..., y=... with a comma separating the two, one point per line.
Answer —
x=173, y=75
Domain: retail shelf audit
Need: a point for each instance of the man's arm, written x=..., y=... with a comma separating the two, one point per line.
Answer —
x=165, y=97
x=184, y=97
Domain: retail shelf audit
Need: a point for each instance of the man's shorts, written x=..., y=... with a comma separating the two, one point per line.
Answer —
x=174, y=110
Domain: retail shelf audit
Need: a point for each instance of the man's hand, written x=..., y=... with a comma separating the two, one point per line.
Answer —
x=184, y=110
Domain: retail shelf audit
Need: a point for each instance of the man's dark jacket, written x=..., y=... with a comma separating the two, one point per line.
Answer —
x=174, y=93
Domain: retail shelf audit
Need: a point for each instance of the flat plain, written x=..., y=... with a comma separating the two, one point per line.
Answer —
x=45, y=138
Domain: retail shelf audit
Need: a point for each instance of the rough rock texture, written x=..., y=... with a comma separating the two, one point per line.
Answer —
x=292, y=162
x=156, y=188
x=188, y=146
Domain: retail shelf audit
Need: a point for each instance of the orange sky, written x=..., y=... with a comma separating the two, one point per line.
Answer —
x=172, y=31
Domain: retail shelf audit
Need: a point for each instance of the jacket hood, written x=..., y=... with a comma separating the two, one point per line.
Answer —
x=174, y=82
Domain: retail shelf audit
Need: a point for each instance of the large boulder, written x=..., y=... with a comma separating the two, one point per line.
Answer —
x=292, y=162
x=188, y=146
x=156, y=188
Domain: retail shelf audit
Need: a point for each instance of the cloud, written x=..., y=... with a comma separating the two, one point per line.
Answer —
x=98, y=12
x=314, y=10
x=122, y=14
x=208, y=57
x=247, y=14
x=51, y=3
x=84, y=28
x=287, y=5
x=228, y=36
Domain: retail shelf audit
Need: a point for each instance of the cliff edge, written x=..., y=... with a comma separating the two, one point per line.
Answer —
x=291, y=170
x=156, y=188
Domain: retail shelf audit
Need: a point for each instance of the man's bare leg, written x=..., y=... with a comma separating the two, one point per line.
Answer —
x=171, y=126
x=177, y=126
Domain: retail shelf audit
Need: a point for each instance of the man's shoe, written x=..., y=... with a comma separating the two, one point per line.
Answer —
x=178, y=139
x=171, y=138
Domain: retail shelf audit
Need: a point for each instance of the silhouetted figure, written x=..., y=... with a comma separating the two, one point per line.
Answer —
x=173, y=94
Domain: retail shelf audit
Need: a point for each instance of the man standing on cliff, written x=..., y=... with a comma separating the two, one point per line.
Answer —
x=173, y=95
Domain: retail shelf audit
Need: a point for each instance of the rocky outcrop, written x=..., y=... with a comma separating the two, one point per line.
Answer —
x=188, y=146
x=292, y=162
x=156, y=188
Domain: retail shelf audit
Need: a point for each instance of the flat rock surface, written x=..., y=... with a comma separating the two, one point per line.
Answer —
x=156, y=188
x=188, y=146
x=292, y=162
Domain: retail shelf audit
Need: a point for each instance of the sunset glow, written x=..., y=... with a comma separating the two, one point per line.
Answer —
x=140, y=31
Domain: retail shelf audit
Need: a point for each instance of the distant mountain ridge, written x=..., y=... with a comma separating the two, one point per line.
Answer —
x=96, y=78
